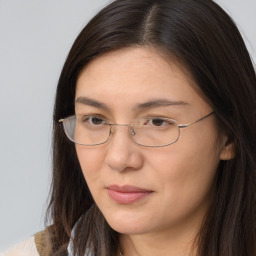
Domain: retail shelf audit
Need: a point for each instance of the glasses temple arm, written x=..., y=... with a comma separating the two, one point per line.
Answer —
x=202, y=118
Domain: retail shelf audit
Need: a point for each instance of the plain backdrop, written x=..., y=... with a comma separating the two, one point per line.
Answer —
x=35, y=37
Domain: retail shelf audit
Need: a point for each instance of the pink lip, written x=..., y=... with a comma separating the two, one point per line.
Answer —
x=127, y=194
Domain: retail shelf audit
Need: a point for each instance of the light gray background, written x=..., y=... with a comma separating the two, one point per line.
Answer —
x=35, y=37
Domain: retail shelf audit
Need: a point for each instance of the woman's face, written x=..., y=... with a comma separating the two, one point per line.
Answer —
x=142, y=189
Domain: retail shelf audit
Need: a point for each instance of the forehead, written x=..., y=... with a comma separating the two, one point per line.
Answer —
x=140, y=61
x=135, y=75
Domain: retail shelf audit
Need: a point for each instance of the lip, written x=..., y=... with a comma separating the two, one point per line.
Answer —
x=127, y=194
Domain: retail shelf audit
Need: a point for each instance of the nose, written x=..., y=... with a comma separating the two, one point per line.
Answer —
x=122, y=152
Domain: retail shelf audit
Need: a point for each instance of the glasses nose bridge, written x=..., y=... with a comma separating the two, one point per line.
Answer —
x=130, y=128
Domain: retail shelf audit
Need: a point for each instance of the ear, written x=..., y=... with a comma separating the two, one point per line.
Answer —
x=228, y=150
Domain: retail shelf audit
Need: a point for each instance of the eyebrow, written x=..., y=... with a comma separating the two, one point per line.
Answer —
x=159, y=103
x=92, y=103
x=155, y=103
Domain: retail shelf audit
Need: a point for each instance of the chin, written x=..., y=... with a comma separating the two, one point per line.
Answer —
x=124, y=225
x=130, y=230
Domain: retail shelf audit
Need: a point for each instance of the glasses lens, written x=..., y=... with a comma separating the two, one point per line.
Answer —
x=155, y=132
x=86, y=130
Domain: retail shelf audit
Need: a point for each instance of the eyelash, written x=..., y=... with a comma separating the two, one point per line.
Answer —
x=88, y=118
x=100, y=116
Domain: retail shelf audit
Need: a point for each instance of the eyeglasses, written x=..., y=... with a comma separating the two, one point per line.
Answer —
x=92, y=130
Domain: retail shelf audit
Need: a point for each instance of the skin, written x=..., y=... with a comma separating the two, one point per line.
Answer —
x=181, y=176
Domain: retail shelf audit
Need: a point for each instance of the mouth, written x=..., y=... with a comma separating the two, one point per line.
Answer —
x=127, y=194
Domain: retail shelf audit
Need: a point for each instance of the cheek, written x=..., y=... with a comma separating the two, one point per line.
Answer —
x=188, y=173
x=91, y=161
x=185, y=172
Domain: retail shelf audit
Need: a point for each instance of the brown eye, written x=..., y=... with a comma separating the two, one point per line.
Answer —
x=157, y=122
x=94, y=120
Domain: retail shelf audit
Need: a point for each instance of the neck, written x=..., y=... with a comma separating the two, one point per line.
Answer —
x=177, y=241
x=156, y=244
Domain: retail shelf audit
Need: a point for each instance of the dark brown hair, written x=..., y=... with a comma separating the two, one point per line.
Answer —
x=208, y=44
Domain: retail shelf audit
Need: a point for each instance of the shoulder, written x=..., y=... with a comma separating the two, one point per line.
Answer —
x=24, y=248
x=38, y=245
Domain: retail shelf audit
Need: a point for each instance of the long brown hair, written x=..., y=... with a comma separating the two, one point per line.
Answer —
x=208, y=44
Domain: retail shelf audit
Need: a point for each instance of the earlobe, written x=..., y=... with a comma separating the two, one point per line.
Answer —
x=228, y=150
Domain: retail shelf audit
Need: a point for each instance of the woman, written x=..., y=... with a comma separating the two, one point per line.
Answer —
x=154, y=136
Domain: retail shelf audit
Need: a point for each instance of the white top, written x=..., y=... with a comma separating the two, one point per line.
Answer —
x=28, y=248
x=25, y=248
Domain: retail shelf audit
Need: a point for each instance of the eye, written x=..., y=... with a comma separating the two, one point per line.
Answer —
x=94, y=120
x=158, y=122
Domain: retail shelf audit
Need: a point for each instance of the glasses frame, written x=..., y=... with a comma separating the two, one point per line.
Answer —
x=180, y=126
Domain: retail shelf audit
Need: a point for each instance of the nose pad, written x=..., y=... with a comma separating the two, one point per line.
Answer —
x=131, y=130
